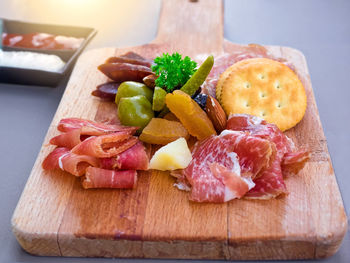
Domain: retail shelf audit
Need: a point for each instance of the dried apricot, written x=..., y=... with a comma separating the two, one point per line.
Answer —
x=171, y=117
x=161, y=131
x=190, y=114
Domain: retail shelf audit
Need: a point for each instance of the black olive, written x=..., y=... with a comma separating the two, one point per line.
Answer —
x=201, y=100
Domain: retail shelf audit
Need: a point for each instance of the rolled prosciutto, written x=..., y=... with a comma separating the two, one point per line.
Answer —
x=62, y=158
x=134, y=158
x=68, y=139
x=69, y=124
x=105, y=146
x=75, y=136
x=102, y=178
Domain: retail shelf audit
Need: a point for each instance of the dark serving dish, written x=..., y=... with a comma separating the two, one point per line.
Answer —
x=41, y=77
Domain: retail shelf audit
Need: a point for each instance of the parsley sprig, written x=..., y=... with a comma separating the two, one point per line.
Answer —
x=173, y=71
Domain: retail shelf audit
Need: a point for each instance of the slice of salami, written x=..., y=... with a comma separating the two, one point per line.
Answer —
x=269, y=182
x=221, y=160
x=293, y=162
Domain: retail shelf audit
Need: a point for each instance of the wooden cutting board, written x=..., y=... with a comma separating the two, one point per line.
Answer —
x=56, y=217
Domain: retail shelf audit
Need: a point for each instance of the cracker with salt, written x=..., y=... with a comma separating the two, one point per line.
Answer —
x=265, y=88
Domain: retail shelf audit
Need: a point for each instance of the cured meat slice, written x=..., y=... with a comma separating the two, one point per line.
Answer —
x=69, y=124
x=269, y=182
x=243, y=52
x=254, y=153
x=105, y=146
x=68, y=139
x=134, y=158
x=205, y=186
x=293, y=162
x=236, y=185
x=51, y=162
x=236, y=152
x=181, y=181
x=62, y=158
x=260, y=128
x=102, y=178
x=75, y=136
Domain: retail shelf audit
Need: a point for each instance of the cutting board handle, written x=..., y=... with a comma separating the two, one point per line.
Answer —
x=197, y=24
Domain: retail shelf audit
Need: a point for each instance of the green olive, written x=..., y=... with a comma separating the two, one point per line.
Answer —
x=135, y=111
x=132, y=88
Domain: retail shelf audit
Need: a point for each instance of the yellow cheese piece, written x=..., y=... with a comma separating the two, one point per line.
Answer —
x=173, y=156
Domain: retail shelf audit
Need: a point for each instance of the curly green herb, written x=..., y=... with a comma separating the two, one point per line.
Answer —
x=173, y=71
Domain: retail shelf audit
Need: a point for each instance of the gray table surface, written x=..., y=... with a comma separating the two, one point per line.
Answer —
x=319, y=28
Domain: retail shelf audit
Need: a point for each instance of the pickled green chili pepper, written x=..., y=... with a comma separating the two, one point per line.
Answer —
x=135, y=111
x=132, y=88
x=198, y=77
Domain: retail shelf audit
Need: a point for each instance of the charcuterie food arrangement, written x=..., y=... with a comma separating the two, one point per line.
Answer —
x=217, y=127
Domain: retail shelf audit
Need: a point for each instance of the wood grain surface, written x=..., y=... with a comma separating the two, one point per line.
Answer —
x=56, y=217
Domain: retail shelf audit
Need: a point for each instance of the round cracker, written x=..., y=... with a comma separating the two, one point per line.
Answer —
x=265, y=88
x=222, y=79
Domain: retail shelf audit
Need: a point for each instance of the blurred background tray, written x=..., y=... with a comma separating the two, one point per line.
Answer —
x=41, y=77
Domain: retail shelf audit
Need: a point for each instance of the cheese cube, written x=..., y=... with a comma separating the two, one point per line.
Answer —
x=174, y=155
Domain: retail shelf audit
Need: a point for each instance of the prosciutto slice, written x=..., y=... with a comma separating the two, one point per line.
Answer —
x=134, y=158
x=293, y=162
x=269, y=182
x=102, y=178
x=236, y=186
x=260, y=128
x=62, y=158
x=105, y=146
x=68, y=139
x=69, y=124
x=223, y=165
x=75, y=136
x=253, y=153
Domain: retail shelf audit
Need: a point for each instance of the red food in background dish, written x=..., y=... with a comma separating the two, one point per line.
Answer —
x=41, y=41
